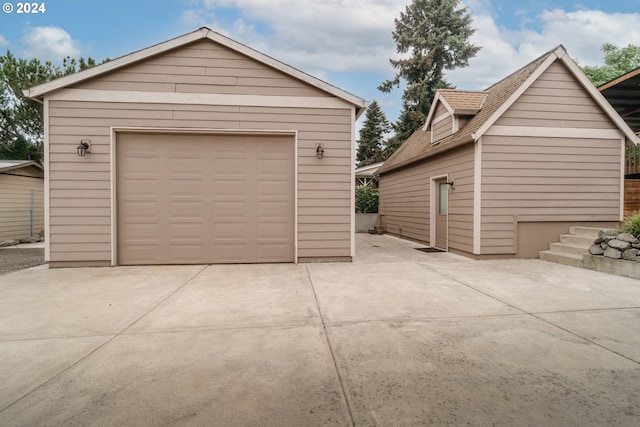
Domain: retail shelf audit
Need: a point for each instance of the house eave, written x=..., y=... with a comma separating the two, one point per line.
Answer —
x=25, y=164
x=38, y=93
x=437, y=149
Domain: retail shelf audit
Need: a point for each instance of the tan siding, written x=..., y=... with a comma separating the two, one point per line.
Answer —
x=442, y=129
x=80, y=187
x=405, y=197
x=202, y=67
x=15, y=205
x=441, y=110
x=548, y=180
x=556, y=99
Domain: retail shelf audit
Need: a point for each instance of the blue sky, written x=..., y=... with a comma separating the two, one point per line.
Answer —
x=345, y=42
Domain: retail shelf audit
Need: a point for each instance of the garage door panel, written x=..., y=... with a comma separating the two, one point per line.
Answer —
x=270, y=252
x=229, y=209
x=236, y=231
x=231, y=253
x=187, y=253
x=272, y=231
x=186, y=199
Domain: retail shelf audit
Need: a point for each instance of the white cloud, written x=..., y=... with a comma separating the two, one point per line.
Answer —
x=3, y=42
x=49, y=43
x=581, y=32
x=354, y=37
x=338, y=35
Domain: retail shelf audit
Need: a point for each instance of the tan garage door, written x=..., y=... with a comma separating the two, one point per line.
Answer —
x=201, y=199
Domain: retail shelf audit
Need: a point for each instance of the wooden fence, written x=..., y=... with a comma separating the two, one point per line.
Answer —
x=631, y=196
x=632, y=160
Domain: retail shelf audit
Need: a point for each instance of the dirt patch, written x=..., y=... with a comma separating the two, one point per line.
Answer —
x=15, y=259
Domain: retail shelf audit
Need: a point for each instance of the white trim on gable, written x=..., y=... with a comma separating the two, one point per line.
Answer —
x=514, y=96
x=38, y=92
x=553, y=132
x=92, y=95
x=434, y=106
x=597, y=96
x=560, y=54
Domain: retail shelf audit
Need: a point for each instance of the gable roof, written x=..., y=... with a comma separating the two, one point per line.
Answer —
x=9, y=165
x=499, y=97
x=368, y=170
x=38, y=92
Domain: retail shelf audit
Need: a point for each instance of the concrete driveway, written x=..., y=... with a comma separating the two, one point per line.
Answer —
x=398, y=337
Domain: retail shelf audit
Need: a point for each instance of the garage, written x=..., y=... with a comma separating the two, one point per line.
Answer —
x=205, y=198
x=197, y=150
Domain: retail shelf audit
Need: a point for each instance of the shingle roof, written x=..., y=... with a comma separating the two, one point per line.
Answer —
x=419, y=146
x=463, y=101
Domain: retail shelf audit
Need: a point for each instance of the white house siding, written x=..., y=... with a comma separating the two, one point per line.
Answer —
x=80, y=188
x=553, y=156
x=405, y=198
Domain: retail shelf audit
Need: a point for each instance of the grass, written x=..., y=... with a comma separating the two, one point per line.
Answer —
x=631, y=225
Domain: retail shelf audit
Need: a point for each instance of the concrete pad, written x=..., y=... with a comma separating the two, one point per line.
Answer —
x=355, y=292
x=617, y=330
x=270, y=377
x=25, y=365
x=540, y=286
x=225, y=296
x=43, y=303
x=376, y=249
x=419, y=339
x=485, y=371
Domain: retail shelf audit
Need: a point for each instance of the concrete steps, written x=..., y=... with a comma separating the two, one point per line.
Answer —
x=571, y=247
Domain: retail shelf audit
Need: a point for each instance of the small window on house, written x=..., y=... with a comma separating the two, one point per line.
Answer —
x=443, y=207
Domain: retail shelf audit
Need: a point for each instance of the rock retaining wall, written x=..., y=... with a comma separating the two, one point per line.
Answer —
x=614, y=253
x=614, y=245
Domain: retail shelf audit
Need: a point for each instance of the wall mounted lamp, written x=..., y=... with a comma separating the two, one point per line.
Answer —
x=84, y=147
x=319, y=151
x=450, y=183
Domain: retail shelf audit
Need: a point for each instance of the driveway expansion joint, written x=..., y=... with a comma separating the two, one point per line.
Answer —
x=113, y=336
x=331, y=351
x=535, y=315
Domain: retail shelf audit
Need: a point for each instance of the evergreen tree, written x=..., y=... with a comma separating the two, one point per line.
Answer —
x=430, y=36
x=617, y=62
x=375, y=126
x=21, y=118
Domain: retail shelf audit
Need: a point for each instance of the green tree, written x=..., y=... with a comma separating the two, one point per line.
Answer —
x=367, y=199
x=375, y=127
x=431, y=36
x=21, y=119
x=617, y=61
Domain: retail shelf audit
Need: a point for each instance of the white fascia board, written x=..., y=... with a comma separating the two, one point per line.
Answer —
x=92, y=95
x=40, y=90
x=202, y=33
x=553, y=132
x=434, y=106
x=514, y=96
x=596, y=95
x=294, y=72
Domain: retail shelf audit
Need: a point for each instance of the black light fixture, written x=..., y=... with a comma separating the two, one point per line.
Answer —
x=84, y=147
x=319, y=151
x=450, y=183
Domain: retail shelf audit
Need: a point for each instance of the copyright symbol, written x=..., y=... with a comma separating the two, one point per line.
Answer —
x=7, y=8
